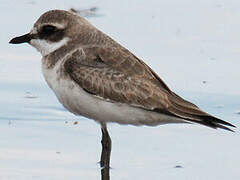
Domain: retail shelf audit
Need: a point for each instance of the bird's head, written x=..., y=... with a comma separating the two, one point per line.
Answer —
x=53, y=30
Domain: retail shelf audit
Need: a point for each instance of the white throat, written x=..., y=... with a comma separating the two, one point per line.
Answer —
x=46, y=47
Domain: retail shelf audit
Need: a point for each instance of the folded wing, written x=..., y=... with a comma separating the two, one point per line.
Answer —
x=115, y=74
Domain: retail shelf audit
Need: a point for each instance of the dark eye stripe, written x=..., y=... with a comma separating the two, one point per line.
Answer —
x=48, y=29
x=51, y=33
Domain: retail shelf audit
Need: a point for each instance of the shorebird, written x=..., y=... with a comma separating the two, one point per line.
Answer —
x=94, y=76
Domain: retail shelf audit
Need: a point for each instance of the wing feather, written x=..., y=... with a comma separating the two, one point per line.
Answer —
x=117, y=75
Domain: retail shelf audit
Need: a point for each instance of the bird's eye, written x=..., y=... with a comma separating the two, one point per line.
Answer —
x=48, y=29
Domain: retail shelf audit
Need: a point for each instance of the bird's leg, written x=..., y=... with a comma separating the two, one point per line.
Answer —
x=106, y=148
x=106, y=152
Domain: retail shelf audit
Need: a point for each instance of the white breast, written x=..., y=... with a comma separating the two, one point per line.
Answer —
x=79, y=102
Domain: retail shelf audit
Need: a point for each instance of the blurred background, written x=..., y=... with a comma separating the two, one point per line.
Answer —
x=193, y=45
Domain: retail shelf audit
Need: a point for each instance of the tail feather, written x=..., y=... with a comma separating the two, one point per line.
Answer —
x=214, y=122
x=190, y=112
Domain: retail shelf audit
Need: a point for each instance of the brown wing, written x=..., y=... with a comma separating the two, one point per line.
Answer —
x=119, y=76
x=123, y=82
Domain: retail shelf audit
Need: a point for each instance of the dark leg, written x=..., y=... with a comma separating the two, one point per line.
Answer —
x=106, y=152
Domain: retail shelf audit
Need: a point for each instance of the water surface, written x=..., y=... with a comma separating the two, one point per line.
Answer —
x=193, y=46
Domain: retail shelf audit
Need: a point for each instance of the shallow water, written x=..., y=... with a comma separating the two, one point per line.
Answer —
x=193, y=46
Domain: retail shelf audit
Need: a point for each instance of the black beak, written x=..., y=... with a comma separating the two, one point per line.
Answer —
x=21, y=39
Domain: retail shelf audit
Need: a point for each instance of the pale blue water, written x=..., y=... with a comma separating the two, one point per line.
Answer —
x=185, y=42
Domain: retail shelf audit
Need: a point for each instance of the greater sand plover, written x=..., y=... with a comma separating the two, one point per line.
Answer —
x=94, y=76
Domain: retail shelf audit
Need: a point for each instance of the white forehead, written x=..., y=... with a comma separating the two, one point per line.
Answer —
x=46, y=47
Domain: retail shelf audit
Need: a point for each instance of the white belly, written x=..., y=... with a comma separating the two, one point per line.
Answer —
x=79, y=102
